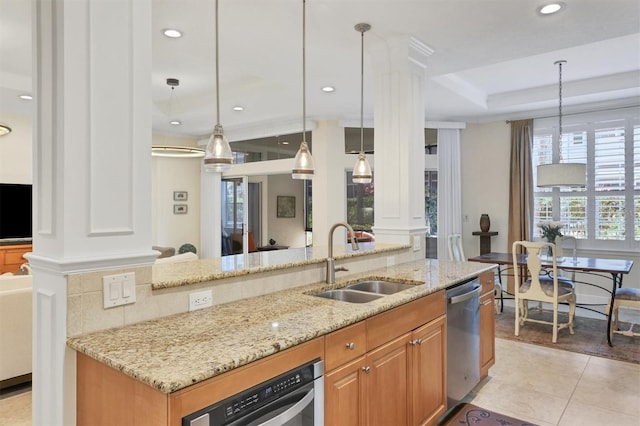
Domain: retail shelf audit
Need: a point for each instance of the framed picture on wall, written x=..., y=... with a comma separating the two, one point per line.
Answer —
x=180, y=209
x=286, y=206
x=180, y=195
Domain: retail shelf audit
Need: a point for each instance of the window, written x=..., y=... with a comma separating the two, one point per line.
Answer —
x=359, y=204
x=606, y=213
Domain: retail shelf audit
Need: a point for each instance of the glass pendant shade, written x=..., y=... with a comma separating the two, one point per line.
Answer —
x=218, y=156
x=362, y=170
x=303, y=163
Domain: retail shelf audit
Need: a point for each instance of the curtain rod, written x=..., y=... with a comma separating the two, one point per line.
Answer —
x=583, y=112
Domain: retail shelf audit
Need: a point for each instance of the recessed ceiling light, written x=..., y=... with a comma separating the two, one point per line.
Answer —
x=175, y=122
x=26, y=97
x=328, y=89
x=550, y=8
x=172, y=33
x=238, y=108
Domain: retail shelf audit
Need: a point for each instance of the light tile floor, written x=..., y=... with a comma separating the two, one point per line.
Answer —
x=548, y=386
x=542, y=385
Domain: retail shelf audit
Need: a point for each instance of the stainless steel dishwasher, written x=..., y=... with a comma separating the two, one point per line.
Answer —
x=463, y=340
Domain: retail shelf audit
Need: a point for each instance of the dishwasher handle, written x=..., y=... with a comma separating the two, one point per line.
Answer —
x=465, y=296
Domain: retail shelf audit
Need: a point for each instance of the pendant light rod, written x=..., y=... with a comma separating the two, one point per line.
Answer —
x=304, y=71
x=362, y=28
x=559, y=64
x=218, y=155
x=217, y=70
x=362, y=170
x=303, y=162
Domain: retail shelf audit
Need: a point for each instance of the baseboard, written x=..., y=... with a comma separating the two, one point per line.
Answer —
x=7, y=383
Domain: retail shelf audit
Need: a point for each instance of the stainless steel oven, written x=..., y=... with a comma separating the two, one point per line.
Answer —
x=294, y=398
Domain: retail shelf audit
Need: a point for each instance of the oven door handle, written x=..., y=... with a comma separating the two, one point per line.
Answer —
x=296, y=409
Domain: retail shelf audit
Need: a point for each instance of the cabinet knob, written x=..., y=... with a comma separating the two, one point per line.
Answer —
x=351, y=346
x=366, y=369
x=415, y=342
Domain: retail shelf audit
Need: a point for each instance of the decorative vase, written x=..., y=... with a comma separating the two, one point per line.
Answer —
x=485, y=222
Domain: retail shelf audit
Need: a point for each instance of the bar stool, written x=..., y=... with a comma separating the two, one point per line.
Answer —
x=625, y=297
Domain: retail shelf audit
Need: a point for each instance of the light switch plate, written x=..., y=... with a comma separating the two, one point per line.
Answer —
x=118, y=289
x=416, y=242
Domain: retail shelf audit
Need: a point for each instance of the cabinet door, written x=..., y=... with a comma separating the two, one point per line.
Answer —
x=344, y=394
x=428, y=373
x=487, y=334
x=386, y=383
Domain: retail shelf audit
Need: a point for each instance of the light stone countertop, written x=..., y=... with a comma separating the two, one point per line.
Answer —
x=195, y=271
x=177, y=351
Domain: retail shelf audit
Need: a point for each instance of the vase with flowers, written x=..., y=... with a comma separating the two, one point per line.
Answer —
x=550, y=230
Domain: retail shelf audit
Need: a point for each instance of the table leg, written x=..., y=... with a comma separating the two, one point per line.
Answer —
x=617, y=281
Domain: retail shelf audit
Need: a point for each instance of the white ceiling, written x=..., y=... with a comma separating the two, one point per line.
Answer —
x=492, y=59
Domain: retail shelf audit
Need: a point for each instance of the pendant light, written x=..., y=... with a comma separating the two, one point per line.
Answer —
x=4, y=129
x=561, y=174
x=362, y=169
x=218, y=156
x=303, y=162
x=174, y=151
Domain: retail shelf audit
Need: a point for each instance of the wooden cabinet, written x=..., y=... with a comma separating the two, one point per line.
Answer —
x=402, y=377
x=487, y=324
x=11, y=257
x=428, y=358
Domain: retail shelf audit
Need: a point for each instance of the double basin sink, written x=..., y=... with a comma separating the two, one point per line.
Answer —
x=364, y=291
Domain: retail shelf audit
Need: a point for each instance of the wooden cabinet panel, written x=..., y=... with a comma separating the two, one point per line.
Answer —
x=428, y=373
x=387, y=325
x=487, y=323
x=344, y=393
x=386, y=382
x=345, y=344
x=11, y=257
x=487, y=334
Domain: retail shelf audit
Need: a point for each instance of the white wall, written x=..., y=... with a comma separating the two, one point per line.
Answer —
x=286, y=231
x=485, y=152
x=169, y=175
x=16, y=150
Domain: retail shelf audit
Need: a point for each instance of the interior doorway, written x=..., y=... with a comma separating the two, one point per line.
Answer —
x=241, y=221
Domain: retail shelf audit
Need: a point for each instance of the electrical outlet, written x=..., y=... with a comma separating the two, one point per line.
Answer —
x=200, y=300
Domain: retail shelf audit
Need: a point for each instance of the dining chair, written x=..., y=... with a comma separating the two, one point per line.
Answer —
x=625, y=297
x=531, y=288
x=456, y=253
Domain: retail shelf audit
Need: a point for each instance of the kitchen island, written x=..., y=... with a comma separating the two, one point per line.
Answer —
x=173, y=353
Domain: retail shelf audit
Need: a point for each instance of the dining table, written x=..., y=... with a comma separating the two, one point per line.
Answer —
x=615, y=268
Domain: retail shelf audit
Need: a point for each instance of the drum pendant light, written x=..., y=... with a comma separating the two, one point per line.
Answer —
x=303, y=162
x=362, y=169
x=218, y=156
x=561, y=174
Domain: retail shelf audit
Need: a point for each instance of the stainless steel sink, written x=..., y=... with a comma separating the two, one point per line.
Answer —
x=379, y=287
x=349, y=296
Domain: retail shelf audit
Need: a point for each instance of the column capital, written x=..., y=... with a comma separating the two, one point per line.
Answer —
x=400, y=52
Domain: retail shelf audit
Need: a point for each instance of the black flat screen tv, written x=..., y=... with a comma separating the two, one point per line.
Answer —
x=15, y=211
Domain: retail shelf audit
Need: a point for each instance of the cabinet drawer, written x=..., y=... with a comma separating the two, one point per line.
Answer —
x=345, y=344
x=487, y=281
x=14, y=257
x=388, y=325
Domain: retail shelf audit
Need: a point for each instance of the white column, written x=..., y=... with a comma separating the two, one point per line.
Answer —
x=399, y=117
x=92, y=168
x=329, y=182
x=210, y=214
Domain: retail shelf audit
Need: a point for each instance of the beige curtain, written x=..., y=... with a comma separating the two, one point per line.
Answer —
x=520, y=185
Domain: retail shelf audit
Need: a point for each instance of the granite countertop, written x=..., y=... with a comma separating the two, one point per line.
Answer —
x=195, y=271
x=177, y=351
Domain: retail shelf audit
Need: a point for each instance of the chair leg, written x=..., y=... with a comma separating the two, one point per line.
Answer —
x=517, y=308
x=572, y=312
x=554, y=339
